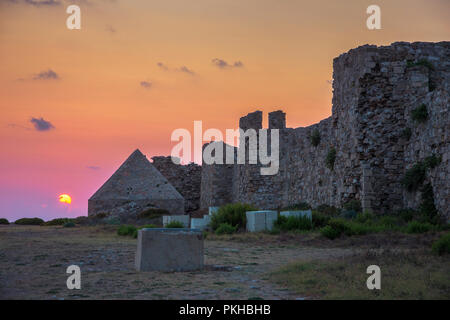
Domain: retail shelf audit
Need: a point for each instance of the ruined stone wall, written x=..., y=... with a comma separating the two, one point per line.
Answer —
x=185, y=178
x=375, y=90
x=217, y=179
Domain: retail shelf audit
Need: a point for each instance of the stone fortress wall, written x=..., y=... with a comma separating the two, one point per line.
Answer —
x=375, y=90
x=185, y=178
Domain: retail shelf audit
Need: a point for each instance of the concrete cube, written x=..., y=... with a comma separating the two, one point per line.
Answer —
x=297, y=213
x=184, y=219
x=271, y=217
x=260, y=220
x=199, y=223
x=169, y=249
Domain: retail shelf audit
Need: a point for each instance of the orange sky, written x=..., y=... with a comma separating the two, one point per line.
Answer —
x=100, y=111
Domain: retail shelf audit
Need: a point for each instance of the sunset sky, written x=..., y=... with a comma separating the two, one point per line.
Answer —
x=75, y=103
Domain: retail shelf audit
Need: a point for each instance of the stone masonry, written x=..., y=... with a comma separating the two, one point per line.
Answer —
x=185, y=178
x=375, y=90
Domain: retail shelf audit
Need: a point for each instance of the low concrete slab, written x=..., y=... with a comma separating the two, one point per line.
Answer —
x=260, y=220
x=200, y=223
x=167, y=249
x=184, y=219
x=297, y=213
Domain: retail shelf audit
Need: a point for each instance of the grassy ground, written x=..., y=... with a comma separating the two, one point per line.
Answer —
x=33, y=262
x=404, y=275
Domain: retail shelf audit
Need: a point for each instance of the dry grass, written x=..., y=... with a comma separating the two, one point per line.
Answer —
x=33, y=262
x=404, y=275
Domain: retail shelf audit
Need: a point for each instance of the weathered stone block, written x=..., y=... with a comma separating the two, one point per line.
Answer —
x=200, y=223
x=260, y=220
x=184, y=219
x=161, y=249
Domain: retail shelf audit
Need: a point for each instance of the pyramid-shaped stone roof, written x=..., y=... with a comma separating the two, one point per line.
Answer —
x=136, y=179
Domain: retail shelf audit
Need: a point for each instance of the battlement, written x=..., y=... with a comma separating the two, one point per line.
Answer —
x=375, y=90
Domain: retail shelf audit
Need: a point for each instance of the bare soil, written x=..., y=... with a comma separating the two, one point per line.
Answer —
x=34, y=259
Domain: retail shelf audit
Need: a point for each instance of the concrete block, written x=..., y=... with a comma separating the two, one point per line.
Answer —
x=200, y=223
x=271, y=217
x=297, y=213
x=260, y=220
x=184, y=219
x=212, y=210
x=167, y=249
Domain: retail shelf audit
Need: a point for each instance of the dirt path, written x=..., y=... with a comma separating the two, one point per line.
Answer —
x=33, y=262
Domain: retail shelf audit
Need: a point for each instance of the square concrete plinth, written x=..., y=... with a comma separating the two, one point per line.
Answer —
x=169, y=249
x=260, y=220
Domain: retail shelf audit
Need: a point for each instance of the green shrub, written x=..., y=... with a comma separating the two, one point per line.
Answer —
x=30, y=221
x=297, y=206
x=126, y=230
x=101, y=215
x=354, y=205
x=331, y=157
x=421, y=62
x=407, y=133
x=389, y=222
x=427, y=207
x=293, y=223
x=414, y=177
x=406, y=214
x=69, y=224
x=315, y=137
x=432, y=161
x=152, y=213
x=442, y=245
x=328, y=210
x=418, y=227
x=329, y=232
x=350, y=228
x=319, y=219
x=233, y=214
x=57, y=222
x=420, y=114
x=365, y=217
x=174, y=224
x=81, y=220
x=225, y=228
x=4, y=221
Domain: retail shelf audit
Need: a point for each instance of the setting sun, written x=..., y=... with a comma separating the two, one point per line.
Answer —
x=65, y=198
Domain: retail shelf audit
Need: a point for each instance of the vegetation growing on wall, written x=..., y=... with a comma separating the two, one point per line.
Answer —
x=315, y=137
x=420, y=114
x=407, y=133
x=331, y=157
x=415, y=176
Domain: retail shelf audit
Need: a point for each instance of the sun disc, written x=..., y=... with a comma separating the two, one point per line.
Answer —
x=65, y=198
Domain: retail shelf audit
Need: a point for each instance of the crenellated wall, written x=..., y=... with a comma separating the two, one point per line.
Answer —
x=375, y=90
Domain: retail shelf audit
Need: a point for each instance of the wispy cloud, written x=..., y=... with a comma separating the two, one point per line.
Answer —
x=222, y=64
x=186, y=70
x=162, y=66
x=41, y=124
x=183, y=69
x=46, y=75
x=95, y=168
x=145, y=84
